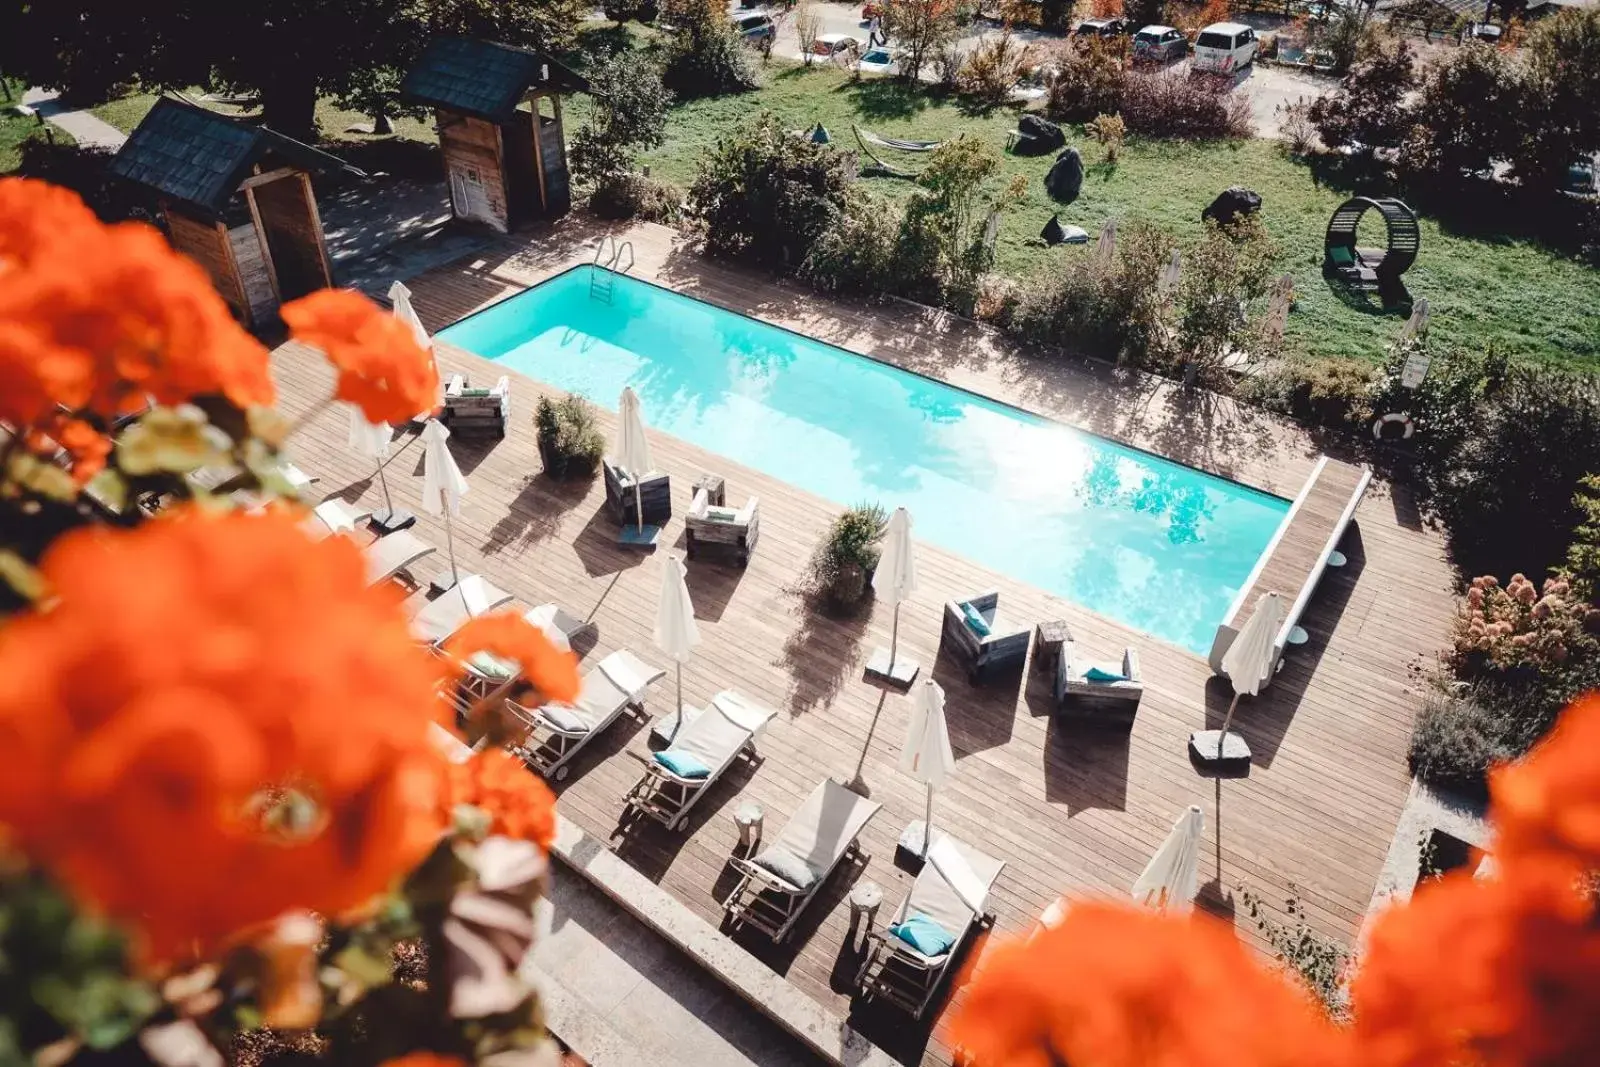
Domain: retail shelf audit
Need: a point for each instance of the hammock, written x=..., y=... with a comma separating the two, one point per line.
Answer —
x=867, y=137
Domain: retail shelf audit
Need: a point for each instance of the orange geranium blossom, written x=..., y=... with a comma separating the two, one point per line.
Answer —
x=106, y=317
x=1119, y=986
x=35, y=215
x=519, y=804
x=1548, y=805
x=508, y=635
x=424, y=1059
x=188, y=671
x=381, y=368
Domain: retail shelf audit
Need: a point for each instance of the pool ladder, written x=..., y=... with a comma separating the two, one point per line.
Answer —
x=603, y=280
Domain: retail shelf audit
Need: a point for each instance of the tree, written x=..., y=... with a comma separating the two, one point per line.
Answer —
x=708, y=58
x=290, y=52
x=1562, y=119
x=1464, y=112
x=1368, y=107
x=629, y=116
x=942, y=248
x=1228, y=268
x=920, y=28
x=807, y=26
x=1144, y=12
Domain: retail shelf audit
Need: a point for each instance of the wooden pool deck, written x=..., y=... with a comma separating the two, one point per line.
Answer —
x=1069, y=812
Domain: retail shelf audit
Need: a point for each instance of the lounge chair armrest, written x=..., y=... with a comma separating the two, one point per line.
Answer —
x=1130, y=664
x=698, y=505
x=501, y=387
x=748, y=512
x=458, y=382
x=984, y=602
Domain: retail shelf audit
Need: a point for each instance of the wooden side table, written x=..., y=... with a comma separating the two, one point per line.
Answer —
x=864, y=901
x=748, y=818
x=716, y=489
x=1048, y=637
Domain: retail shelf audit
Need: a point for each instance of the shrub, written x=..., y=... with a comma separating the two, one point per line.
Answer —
x=856, y=255
x=707, y=58
x=1229, y=267
x=941, y=250
x=1458, y=737
x=570, y=444
x=1336, y=393
x=1368, y=108
x=1294, y=121
x=637, y=196
x=1110, y=131
x=1319, y=961
x=842, y=565
x=921, y=30
x=807, y=27
x=1500, y=630
x=623, y=10
x=1088, y=82
x=1583, y=556
x=1167, y=103
x=1444, y=409
x=628, y=116
x=992, y=68
x=1561, y=118
x=766, y=196
x=947, y=61
x=1463, y=112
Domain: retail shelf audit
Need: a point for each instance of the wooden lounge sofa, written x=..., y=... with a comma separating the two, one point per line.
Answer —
x=1003, y=647
x=1099, y=702
x=777, y=883
x=952, y=890
x=732, y=529
x=655, y=492
x=467, y=411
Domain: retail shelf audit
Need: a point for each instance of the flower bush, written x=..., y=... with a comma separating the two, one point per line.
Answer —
x=1521, y=625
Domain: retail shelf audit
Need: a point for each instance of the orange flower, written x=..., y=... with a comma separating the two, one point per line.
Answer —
x=217, y=721
x=1548, y=804
x=86, y=446
x=113, y=316
x=381, y=368
x=552, y=672
x=1117, y=986
x=424, y=1059
x=519, y=804
x=35, y=215
x=1500, y=972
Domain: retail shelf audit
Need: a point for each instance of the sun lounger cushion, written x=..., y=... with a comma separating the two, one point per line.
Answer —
x=1101, y=674
x=925, y=935
x=975, y=622
x=567, y=720
x=1341, y=256
x=492, y=666
x=683, y=764
x=788, y=866
x=826, y=825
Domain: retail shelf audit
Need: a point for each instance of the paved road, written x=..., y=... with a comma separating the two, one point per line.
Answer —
x=1268, y=87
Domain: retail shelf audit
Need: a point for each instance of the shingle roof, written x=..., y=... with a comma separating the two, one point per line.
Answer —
x=199, y=157
x=482, y=78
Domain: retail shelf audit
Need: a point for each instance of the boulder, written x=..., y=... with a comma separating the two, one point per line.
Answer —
x=1231, y=204
x=1056, y=234
x=1037, y=136
x=1065, y=179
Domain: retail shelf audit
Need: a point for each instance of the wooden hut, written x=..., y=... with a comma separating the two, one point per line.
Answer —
x=498, y=112
x=236, y=198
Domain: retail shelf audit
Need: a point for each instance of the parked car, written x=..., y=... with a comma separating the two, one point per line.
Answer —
x=1159, y=44
x=1225, y=47
x=830, y=44
x=877, y=61
x=1101, y=28
x=756, y=28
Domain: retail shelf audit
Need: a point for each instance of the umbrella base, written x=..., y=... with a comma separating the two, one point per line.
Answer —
x=391, y=521
x=1224, y=752
x=635, y=537
x=909, y=849
x=442, y=584
x=899, y=672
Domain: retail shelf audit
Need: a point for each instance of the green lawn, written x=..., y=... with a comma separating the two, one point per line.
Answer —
x=16, y=129
x=1508, y=293
x=126, y=112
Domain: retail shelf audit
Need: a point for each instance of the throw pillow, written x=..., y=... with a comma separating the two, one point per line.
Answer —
x=716, y=514
x=1100, y=674
x=492, y=666
x=786, y=865
x=975, y=620
x=924, y=934
x=475, y=392
x=1341, y=256
x=682, y=764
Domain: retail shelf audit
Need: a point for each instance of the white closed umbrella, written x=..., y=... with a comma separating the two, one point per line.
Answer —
x=400, y=300
x=1106, y=248
x=443, y=484
x=895, y=579
x=1247, y=664
x=371, y=440
x=1417, y=325
x=1171, y=274
x=1172, y=877
x=926, y=755
x=676, y=631
x=633, y=449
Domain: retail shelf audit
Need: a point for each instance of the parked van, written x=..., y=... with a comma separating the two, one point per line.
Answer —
x=1224, y=47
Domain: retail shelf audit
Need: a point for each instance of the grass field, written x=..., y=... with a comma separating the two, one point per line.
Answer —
x=16, y=129
x=125, y=113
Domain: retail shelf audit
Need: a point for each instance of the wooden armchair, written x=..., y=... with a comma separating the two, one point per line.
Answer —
x=655, y=492
x=1004, y=646
x=1108, y=703
x=734, y=529
x=468, y=411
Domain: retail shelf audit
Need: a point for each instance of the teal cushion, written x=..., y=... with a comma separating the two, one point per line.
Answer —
x=476, y=392
x=923, y=934
x=682, y=764
x=975, y=621
x=786, y=865
x=1341, y=256
x=1098, y=674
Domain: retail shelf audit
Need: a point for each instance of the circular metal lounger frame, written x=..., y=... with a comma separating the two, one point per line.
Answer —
x=1343, y=258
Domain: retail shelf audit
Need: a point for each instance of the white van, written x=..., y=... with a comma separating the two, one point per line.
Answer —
x=1224, y=47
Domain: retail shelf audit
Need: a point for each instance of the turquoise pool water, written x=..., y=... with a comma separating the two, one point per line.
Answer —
x=1150, y=543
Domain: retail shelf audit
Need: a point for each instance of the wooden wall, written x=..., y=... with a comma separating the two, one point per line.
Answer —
x=553, y=153
x=260, y=288
x=288, y=218
x=207, y=244
x=474, y=144
x=522, y=170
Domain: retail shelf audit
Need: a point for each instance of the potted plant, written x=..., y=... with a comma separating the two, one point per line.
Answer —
x=842, y=565
x=570, y=444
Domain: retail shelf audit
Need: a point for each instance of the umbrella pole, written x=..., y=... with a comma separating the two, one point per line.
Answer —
x=927, y=824
x=1228, y=720
x=677, y=722
x=388, y=504
x=894, y=637
x=638, y=503
x=450, y=546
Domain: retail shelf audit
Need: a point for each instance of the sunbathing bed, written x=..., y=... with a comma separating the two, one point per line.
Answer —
x=778, y=882
x=473, y=595
x=946, y=903
x=557, y=732
x=706, y=745
x=390, y=556
x=333, y=516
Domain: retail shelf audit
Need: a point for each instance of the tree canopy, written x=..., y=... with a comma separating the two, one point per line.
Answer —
x=289, y=51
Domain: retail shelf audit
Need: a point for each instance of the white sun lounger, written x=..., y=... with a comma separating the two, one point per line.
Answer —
x=952, y=889
x=559, y=625
x=778, y=882
x=473, y=595
x=715, y=735
x=389, y=556
x=557, y=732
x=333, y=516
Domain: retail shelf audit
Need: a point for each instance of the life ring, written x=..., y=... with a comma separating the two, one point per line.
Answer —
x=1394, y=418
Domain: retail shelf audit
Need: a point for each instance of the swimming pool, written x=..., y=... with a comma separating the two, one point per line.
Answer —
x=1153, y=544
